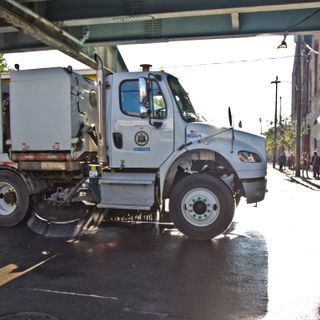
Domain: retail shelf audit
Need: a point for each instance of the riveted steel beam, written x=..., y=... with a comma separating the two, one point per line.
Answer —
x=174, y=10
x=116, y=22
x=43, y=30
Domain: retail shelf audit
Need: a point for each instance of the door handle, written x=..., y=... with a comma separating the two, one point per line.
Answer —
x=117, y=140
x=155, y=123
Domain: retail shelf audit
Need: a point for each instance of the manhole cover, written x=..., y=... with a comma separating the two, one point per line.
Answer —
x=28, y=316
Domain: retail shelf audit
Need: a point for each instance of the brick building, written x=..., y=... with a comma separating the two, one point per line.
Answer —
x=306, y=90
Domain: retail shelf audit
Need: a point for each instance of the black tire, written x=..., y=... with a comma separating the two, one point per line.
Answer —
x=201, y=206
x=14, y=199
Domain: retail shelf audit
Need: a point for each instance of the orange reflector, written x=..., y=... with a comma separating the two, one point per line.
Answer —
x=8, y=163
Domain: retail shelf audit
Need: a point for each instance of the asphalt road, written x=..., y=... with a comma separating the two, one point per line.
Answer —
x=266, y=267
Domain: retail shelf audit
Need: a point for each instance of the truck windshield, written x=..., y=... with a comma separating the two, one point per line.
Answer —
x=182, y=100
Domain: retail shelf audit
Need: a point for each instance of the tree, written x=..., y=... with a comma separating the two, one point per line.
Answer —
x=3, y=64
x=286, y=138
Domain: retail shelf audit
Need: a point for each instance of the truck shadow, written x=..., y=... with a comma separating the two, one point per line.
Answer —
x=152, y=274
x=224, y=278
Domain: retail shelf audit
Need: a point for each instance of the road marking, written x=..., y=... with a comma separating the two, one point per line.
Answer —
x=146, y=312
x=87, y=295
x=7, y=273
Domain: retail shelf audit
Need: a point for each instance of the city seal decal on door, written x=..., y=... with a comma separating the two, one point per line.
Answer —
x=141, y=138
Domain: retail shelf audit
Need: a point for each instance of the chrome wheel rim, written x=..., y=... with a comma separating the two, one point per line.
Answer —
x=200, y=207
x=8, y=199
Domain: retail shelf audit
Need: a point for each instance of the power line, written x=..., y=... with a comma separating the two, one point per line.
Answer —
x=227, y=62
x=303, y=20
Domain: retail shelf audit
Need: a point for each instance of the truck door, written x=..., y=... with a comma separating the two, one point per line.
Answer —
x=136, y=142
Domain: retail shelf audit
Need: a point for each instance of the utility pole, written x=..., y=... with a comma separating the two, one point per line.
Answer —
x=280, y=122
x=298, y=137
x=280, y=118
x=260, y=120
x=276, y=82
x=298, y=102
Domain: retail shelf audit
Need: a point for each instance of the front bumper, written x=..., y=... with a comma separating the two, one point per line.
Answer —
x=254, y=189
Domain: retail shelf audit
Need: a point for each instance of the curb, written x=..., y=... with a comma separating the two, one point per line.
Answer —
x=303, y=181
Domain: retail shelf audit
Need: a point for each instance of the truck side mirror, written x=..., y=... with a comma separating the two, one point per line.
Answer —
x=143, y=112
x=143, y=91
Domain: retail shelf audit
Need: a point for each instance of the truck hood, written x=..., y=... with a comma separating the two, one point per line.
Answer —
x=200, y=131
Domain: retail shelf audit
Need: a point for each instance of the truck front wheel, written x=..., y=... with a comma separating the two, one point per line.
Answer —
x=201, y=206
x=14, y=199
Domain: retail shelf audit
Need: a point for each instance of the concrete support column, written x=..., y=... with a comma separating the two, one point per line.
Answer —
x=112, y=58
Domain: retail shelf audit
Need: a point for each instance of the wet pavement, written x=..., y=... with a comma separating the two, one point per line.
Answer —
x=266, y=267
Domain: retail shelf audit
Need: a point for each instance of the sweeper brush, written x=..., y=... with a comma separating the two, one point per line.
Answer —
x=52, y=220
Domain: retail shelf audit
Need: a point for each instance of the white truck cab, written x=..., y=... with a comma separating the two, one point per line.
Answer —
x=134, y=140
x=174, y=129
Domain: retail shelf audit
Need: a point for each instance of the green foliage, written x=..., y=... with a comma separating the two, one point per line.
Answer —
x=3, y=64
x=286, y=137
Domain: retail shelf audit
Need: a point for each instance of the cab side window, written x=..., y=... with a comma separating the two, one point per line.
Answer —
x=130, y=99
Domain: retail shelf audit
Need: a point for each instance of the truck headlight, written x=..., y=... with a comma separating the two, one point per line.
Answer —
x=247, y=156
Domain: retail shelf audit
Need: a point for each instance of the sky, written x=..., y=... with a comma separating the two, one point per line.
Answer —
x=217, y=73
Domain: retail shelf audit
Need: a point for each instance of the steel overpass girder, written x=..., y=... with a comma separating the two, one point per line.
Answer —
x=112, y=22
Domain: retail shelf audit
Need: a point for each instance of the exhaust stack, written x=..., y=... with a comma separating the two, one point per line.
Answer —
x=102, y=150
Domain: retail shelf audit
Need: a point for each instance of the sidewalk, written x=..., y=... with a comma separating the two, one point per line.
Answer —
x=310, y=183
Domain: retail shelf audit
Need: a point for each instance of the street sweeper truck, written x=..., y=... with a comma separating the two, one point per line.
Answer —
x=126, y=142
